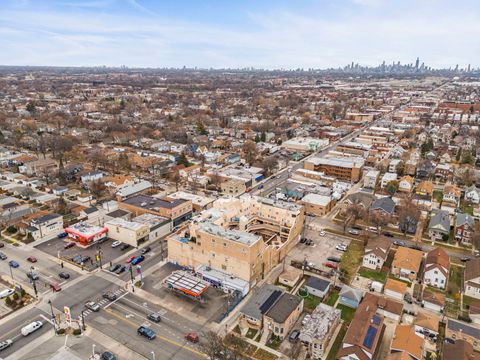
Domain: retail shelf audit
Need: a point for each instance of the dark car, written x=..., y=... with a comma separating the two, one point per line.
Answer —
x=137, y=260
x=302, y=240
x=121, y=269
x=77, y=259
x=32, y=259
x=334, y=259
x=294, y=336
x=146, y=250
x=69, y=245
x=260, y=186
x=124, y=247
x=147, y=332
x=3, y=256
x=110, y=296
x=85, y=259
x=1, y=244
x=64, y=275
x=388, y=234
x=464, y=259
x=13, y=264
x=154, y=317
x=62, y=235
x=415, y=247
x=32, y=275
x=114, y=268
x=107, y=355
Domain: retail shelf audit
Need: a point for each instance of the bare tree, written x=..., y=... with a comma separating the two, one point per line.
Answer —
x=269, y=164
x=379, y=219
x=408, y=214
x=214, y=348
x=249, y=151
x=175, y=178
x=97, y=188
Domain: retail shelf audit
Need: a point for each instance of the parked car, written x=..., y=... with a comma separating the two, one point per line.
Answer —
x=415, y=247
x=154, y=317
x=309, y=242
x=356, y=227
x=334, y=259
x=399, y=243
x=302, y=240
x=114, y=267
x=330, y=265
x=192, y=337
x=121, y=269
x=55, y=287
x=64, y=275
x=116, y=244
x=388, y=234
x=92, y=305
x=294, y=336
x=5, y=344
x=322, y=233
x=465, y=259
x=85, y=259
x=107, y=355
x=13, y=264
x=77, y=259
x=32, y=259
x=1, y=244
x=6, y=292
x=69, y=245
x=62, y=235
x=137, y=260
x=3, y=256
x=30, y=328
x=147, y=332
x=124, y=247
x=32, y=275
x=354, y=232
x=260, y=186
x=341, y=247
x=131, y=258
x=110, y=296
x=146, y=250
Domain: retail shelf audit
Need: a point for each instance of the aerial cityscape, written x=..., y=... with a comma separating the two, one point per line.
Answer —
x=263, y=180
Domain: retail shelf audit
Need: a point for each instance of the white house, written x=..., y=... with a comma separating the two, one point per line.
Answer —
x=370, y=179
x=472, y=195
x=91, y=176
x=46, y=226
x=388, y=177
x=376, y=253
x=437, y=267
x=472, y=278
x=392, y=167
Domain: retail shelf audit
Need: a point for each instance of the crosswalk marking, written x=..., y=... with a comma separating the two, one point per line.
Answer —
x=105, y=303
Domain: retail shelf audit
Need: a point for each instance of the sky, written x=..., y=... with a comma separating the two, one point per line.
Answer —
x=269, y=34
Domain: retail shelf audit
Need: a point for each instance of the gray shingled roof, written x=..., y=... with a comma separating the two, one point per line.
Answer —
x=283, y=307
x=386, y=204
x=252, y=307
x=317, y=283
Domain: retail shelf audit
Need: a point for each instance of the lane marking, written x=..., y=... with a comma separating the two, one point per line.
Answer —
x=173, y=342
x=114, y=301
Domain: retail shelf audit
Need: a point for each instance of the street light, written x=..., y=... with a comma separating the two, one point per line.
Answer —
x=34, y=281
x=83, y=321
x=93, y=350
x=131, y=277
x=53, y=316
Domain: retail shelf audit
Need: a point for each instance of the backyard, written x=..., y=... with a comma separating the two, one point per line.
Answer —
x=351, y=260
x=337, y=343
x=331, y=298
x=347, y=313
x=374, y=275
x=454, y=281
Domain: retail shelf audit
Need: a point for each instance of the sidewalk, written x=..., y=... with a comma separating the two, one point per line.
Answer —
x=266, y=348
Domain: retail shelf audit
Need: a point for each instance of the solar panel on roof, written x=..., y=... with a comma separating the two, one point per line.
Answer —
x=370, y=337
x=376, y=320
x=269, y=302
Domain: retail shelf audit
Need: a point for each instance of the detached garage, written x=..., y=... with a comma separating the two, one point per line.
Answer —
x=395, y=289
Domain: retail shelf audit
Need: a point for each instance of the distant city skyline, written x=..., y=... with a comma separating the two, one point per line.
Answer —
x=270, y=34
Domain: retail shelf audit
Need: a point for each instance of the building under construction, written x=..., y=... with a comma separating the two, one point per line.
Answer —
x=186, y=284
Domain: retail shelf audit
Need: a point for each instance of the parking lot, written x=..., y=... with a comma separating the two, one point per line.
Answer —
x=56, y=247
x=322, y=247
x=214, y=307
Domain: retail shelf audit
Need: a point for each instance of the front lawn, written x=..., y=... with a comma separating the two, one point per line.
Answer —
x=351, y=260
x=375, y=275
x=347, y=313
x=274, y=342
x=251, y=333
x=331, y=298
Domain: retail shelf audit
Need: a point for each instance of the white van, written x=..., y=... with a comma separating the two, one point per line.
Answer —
x=30, y=328
x=6, y=292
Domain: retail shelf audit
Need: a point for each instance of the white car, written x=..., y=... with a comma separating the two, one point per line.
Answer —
x=354, y=232
x=6, y=292
x=341, y=247
x=30, y=328
x=322, y=233
x=116, y=243
x=5, y=344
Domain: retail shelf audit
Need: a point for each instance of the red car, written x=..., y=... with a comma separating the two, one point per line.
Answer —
x=131, y=259
x=32, y=259
x=192, y=337
x=330, y=265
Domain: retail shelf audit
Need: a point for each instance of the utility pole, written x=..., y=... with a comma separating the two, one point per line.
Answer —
x=34, y=282
x=131, y=278
x=83, y=321
x=53, y=317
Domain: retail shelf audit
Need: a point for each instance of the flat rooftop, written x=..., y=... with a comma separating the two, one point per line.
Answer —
x=152, y=203
x=130, y=225
x=338, y=161
x=232, y=235
x=85, y=229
